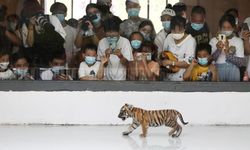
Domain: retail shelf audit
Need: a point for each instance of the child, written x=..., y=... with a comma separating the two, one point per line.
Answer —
x=90, y=69
x=200, y=69
x=57, y=70
x=21, y=69
x=144, y=66
x=5, y=72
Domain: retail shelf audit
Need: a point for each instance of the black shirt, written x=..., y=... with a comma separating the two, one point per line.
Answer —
x=201, y=36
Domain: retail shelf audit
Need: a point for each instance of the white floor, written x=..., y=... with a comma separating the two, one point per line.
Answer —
x=110, y=138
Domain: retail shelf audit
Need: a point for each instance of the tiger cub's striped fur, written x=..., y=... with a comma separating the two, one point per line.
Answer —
x=151, y=118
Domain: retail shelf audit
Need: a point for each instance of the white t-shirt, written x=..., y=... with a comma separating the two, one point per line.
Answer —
x=182, y=51
x=115, y=70
x=85, y=70
x=47, y=75
x=53, y=20
x=159, y=40
x=235, y=41
x=69, y=45
x=7, y=75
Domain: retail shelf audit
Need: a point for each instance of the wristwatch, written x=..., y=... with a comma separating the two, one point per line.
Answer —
x=173, y=64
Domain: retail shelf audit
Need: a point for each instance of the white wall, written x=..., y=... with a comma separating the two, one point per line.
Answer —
x=103, y=107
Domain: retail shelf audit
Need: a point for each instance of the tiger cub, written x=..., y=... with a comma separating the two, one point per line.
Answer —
x=151, y=118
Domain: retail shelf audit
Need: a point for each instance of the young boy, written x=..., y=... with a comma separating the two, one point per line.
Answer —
x=90, y=69
x=200, y=69
x=5, y=72
x=198, y=27
x=57, y=70
x=117, y=49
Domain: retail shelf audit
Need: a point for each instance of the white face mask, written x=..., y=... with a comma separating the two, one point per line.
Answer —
x=227, y=33
x=178, y=36
x=4, y=65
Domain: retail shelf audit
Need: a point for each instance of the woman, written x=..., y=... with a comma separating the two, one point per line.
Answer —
x=228, y=54
x=147, y=30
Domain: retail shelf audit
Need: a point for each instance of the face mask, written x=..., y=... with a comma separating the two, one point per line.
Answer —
x=203, y=61
x=146, y=36
x=136, y=44
x=4, y=65
x=112, y=42
x=133, y=12
x=21, y=72
x=197, y=26
x=97, y=20
x=61, y=17
x=178, y=36
x=166, y=25
x=227, y=33
x=90, y=60
x=57, y=69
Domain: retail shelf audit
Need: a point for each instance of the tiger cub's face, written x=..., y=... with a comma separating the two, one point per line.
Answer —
x=125, y=112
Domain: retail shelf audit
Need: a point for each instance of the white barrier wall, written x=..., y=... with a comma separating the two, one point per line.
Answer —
x=102, y=108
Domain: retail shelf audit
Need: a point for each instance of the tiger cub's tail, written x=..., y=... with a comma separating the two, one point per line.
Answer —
x=182, y=120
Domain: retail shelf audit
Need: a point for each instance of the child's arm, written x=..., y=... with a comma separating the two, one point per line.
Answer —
x=213, y=69
x=88, y=78
x=100, y=73
x=188, y=72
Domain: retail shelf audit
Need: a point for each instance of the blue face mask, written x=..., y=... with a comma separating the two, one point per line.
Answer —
x=90, y=60
x=166, y=25
x=56, y=69
x=133, y=12
x=136, y=44
x=197, y=26
x=97, y=20
x=203, y=61
x=21, y=72
x=112, y=42
x=61, y=17
x=146, y=36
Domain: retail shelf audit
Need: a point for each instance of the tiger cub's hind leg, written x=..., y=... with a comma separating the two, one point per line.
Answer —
x=174, y=125
x=178, y=131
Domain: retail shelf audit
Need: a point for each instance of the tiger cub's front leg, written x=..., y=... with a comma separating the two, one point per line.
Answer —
x=144, y=126
x=131, y=128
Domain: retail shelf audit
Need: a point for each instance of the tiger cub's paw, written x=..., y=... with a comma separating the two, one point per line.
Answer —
x=174, y=136
x=143, y=135
x=125, y=133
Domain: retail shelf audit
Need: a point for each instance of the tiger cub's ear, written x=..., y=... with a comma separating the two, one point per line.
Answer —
x=129, y=106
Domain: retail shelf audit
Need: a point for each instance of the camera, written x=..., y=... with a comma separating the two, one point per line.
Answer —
x=41, y=20
x=85, y=24
x=148, y=56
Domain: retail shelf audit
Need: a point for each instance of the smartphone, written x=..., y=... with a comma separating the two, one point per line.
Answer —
x=148, y=55
x=245, y=27
x=222, y=37
x=63, y=72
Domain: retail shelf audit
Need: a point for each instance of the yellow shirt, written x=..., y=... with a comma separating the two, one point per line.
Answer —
x=201, y=73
